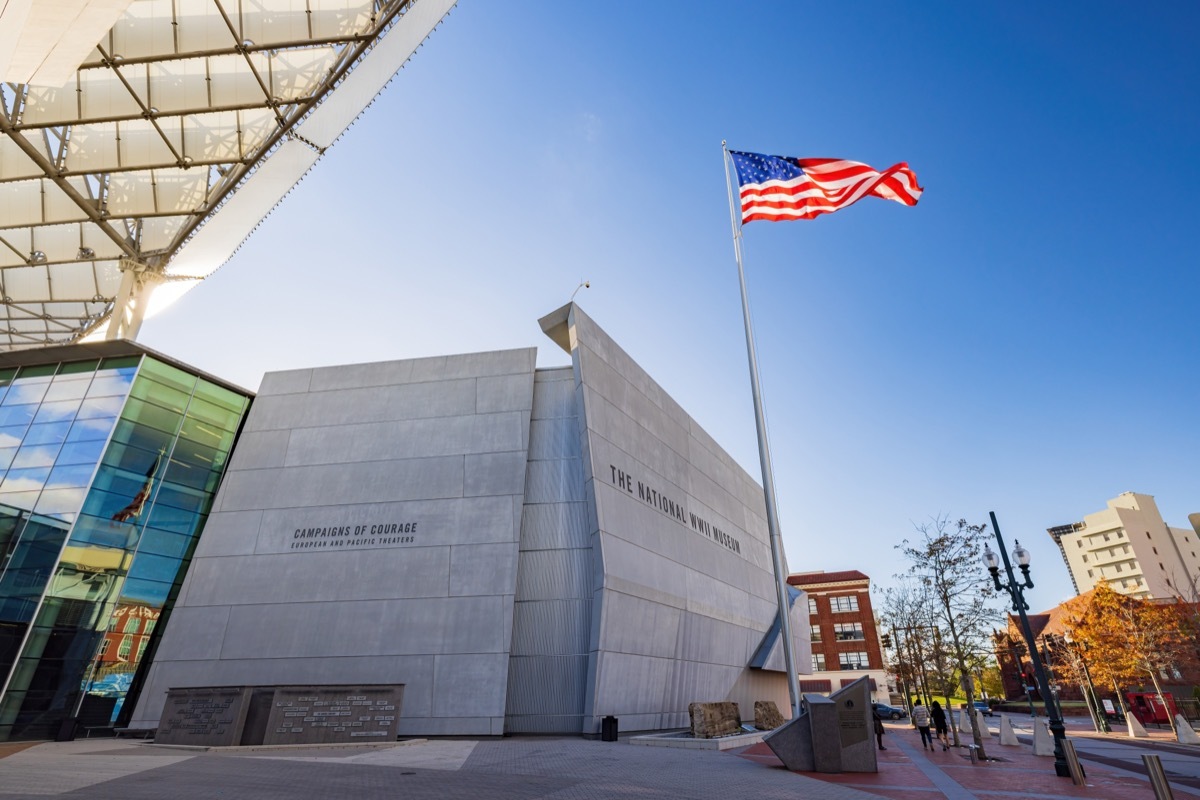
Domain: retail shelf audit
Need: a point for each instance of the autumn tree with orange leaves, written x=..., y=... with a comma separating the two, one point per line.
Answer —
x=1128, y=640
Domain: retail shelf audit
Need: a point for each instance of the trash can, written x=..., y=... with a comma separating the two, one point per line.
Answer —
x=608, y=729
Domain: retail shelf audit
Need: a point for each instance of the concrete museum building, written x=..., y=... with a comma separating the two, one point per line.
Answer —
x=523, y=550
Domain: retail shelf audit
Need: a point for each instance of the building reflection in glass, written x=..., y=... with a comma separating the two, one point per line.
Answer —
x=108, y=468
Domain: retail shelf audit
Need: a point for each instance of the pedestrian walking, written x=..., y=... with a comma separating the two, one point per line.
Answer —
x=920, y=718
x=879, y=731
x=939, y=724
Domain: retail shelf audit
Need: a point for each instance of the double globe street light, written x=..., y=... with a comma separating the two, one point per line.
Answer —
x=1017, y=593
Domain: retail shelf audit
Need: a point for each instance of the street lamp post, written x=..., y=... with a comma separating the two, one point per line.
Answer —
x=1016, y=592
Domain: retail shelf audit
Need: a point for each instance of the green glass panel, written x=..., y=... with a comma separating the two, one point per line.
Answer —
x=160, y=394
x=166, y=374
x=220, y=396
x=38, y=371
x=135, y=462
x=143, y=413
x=211, y=414
x=7, y=375
x=129, y=433
x=124, y=363
x=78, y=367
x=199, y=478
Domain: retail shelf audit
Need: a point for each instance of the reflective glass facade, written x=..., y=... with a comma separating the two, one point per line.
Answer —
x=108, y=468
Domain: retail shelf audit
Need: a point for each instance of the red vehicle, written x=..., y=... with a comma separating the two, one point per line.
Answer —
x=1148, y=708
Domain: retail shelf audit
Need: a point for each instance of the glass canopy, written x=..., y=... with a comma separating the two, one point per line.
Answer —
x=146, y=167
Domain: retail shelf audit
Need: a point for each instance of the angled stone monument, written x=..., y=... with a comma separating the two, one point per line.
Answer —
x=1184, y=731
x=1043, y=742
x=1136, y=731
x=1008, y=736
x=831, y=734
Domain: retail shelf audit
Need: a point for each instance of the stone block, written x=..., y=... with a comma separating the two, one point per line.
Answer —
x=766, y=715
x=793, y=743
x=333, y=714
x=855, y=723
x=710, y=720
x=204, y=717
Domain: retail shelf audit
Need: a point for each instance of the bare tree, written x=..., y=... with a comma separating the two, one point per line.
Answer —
x=945, y=560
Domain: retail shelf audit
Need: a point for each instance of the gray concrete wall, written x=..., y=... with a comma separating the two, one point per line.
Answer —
x=684, y=589
x=294, y=583
x=547, y=678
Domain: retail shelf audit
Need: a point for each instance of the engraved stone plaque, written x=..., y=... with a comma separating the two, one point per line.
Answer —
x=330, y=714
x=205, y=716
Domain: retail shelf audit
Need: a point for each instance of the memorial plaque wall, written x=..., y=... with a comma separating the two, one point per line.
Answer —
x=204, y=717
x=331, y=714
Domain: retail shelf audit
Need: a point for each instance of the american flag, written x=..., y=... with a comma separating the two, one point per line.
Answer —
x=138, y=503
x=777, y=188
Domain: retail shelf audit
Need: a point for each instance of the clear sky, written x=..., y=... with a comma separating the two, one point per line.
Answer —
x=1025, y=340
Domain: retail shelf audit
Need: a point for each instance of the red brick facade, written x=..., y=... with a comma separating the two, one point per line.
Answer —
x=843, y=613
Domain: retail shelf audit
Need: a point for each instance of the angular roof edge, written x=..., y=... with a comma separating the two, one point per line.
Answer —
x=83, y=351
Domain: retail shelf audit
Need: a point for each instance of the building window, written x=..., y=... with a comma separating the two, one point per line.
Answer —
x=812, y=605
x=1079, y=543
x=1085, y=558
x=1090, y=575
x=132, y=625
x=846, y=631
x=848, y=603
x=816, y=633
x=125, y=647
x=853, y=660
x=818, y=660
x=142, y=647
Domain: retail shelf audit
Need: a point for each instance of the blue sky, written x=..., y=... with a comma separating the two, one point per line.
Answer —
x=1025, y=340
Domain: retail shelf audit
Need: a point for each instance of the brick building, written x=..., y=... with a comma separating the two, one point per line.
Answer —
x=845, y=640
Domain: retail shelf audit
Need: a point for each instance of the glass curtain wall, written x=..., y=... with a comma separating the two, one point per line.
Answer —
x=109, y=470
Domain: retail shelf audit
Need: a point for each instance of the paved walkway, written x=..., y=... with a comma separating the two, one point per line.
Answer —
x=909, y=772
x=546, y=768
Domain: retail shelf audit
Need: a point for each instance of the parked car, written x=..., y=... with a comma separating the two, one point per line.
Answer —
x=889, y=712
x=983, y=708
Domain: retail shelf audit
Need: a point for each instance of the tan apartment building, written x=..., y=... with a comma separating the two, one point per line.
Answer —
x=1130, y=546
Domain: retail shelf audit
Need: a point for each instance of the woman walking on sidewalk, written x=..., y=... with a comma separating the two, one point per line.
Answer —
x=920, y=718
x=939, y=724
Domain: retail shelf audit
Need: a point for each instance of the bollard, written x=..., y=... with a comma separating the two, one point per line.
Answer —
x=973, y=751
x=608, y=729
x=1073, y=765
x=1158, y=778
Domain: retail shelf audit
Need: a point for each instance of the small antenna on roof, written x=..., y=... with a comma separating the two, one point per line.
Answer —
x=584, y=284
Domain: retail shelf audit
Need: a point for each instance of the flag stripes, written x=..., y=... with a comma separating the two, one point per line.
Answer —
x=778, y=188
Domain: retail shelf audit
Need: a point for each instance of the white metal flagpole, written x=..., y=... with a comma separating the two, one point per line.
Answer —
x=764, y=457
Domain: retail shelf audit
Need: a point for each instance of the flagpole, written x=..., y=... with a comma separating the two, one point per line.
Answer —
x=764, y=457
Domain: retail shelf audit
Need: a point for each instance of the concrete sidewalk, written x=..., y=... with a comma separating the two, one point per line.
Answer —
x=519, y=768
x=522, y=768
